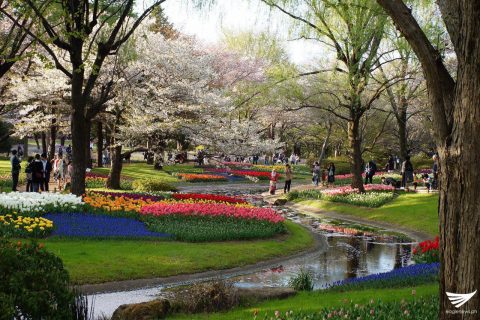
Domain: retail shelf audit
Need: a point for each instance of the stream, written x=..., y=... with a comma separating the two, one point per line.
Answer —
x=352, y=251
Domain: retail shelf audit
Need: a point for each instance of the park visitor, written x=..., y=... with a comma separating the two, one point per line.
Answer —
x=407, y=173
x=316, y=174
x=15, y=162
x=273, y=181
x=331, y=173
x=288, y=178
x=60, y=173
x=370, y=170
x=435, y=172
x=37, y=173
x=47, y=169
x=29, y=175
x=390, y=164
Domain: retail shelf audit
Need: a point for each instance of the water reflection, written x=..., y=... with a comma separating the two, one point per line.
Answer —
x=346, y=257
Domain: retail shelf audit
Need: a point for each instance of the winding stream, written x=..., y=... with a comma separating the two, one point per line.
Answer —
x=350, y=253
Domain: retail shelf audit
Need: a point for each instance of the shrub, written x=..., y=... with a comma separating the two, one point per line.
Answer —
x=33, y=283
x=208, y=297
x=303, y=281
x=148, y=185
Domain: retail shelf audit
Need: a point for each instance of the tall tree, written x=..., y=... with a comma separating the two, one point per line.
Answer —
x=354, y=30
x=455, y=109
x=85, y=32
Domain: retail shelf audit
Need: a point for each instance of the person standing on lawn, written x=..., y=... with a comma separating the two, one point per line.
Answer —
x=273, y=181
x=29, y=174
x=370, y=170
x=407, y=173
x=288, y=178
x=331, y=173
x=47, y=169
x=37, y=173
x=16, y=167
x=316, y=174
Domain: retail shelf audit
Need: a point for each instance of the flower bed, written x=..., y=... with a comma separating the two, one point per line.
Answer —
x=212, y=221
x=87, y=225
x=348, y=189
x=131, y=195
x=261, y=175
x=369, y=199
x=12, y=225
x=114, y=203
x=213, y=210
x=99, y=180
x=195, y=177
x=211, y=197
x=407, y=276
x=33, y=203
x=237, y=164
x=427, y=251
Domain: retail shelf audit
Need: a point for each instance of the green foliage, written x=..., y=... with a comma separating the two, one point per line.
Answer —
x=421, y=162
x=422, y=308
x=149, y=185
x=303, y=281
x=203, y=229
x=33, y=283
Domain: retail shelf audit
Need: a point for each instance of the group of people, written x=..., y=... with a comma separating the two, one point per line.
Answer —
x=39, y=170
x=326, y=176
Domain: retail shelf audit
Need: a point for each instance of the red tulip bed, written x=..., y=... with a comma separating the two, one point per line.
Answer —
x=427, y=251
x=212, y=197
x=199, y=177
x=212, y=221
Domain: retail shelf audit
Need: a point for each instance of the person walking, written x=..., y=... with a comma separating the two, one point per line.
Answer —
x=390, y=164
x=316, y=174
x=61, y=168
x=29, y=174
x=37, y=173
x=16, y=167
x=331, y=173
x=407, y=173
x=434, y=184
x=47, y=169
x=273, y=181
x=370, y=170
x=288, y=178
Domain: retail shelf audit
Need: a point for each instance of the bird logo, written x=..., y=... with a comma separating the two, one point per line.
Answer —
x=458, y=299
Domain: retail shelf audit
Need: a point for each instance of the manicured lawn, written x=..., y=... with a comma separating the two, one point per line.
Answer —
x=96, y=261
x=5, y=167
x=314, y=301
x=141, y=171
x=417, y=211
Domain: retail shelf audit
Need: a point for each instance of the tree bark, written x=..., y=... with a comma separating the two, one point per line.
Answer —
x=37, y=142
x=99, y=144
x=113, y=181
x=402, y=131
x=44, y=142
x=355, y=143
x=53, y=138
x=455, y=116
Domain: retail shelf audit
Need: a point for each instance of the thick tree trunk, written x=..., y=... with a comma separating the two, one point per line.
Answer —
x=113, y=181
x=99, y=144
x=455, y=112
x=37, y=142
x=402, y=131
x=53, y=138
x=355, y=143
x=44, y=142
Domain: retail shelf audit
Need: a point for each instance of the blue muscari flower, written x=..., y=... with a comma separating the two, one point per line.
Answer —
x=416, y=270
x=86, y=225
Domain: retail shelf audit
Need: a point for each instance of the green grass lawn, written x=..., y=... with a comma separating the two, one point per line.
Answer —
x=417, y=211
x=316, y=300
x=140, y=171
x=96, y=261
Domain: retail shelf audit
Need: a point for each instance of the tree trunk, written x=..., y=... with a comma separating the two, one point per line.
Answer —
x=455, y=117
x=99, y=144
x=325, y=143
x=62, y=140
x=355, y=143
x=113, y=181
x=402, y=131
x=44, y=143
x=53, y=138
x=35, y=136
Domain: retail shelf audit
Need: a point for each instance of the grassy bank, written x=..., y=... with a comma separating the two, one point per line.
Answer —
x=316, y=300
x=416, y=211
x=91, y=261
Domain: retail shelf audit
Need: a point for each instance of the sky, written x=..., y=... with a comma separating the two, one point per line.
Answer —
x=238, y=15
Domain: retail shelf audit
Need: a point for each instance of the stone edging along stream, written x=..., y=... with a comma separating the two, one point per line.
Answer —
x=320, y=244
